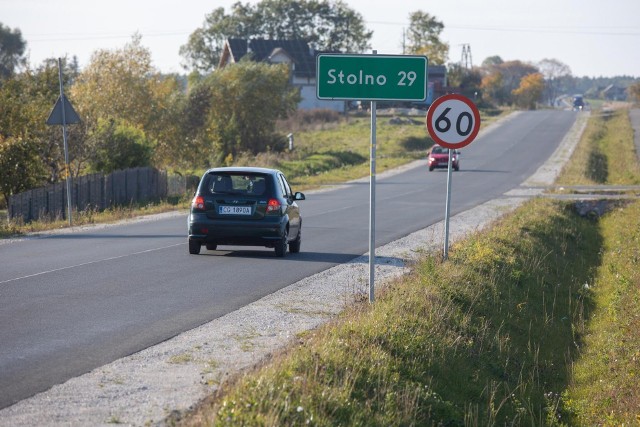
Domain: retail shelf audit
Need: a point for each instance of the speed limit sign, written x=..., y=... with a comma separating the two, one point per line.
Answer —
x=453, y=121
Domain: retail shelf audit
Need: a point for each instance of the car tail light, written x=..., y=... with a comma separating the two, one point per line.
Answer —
x=273, y=205
x=198, y=202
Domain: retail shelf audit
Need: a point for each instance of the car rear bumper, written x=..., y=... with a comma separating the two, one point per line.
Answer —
x=442, y=164
x=264, y=232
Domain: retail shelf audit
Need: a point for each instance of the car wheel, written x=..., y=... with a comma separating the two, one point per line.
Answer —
x=211, y=247
x=430, y=168
x=194, y=247
x=294, y=246
x=281, y=246
x=457, y=168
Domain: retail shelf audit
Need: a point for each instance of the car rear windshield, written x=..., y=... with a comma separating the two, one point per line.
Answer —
x=236, y=183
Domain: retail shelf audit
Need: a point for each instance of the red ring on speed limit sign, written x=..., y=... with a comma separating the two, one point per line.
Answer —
x=453, y=121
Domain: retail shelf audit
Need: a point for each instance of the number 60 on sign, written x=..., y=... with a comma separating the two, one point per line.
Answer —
x=453, y=121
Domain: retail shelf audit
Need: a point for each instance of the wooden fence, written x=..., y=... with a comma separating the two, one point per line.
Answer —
x=98, y=192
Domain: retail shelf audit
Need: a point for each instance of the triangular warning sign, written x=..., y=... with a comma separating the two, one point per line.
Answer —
x=70, y=115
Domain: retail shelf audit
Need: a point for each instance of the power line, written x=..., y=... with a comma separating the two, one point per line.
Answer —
x=605, y=30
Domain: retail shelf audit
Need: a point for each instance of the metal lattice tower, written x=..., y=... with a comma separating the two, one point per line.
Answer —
x=465, y=61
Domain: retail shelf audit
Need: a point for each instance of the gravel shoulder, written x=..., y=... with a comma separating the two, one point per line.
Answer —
x=149, y=386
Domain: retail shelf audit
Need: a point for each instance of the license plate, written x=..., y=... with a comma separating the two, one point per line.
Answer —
x=234, y=210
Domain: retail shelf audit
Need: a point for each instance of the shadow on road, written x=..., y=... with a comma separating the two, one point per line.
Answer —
x=324, y=257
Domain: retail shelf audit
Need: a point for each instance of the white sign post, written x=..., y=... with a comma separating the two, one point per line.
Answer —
x=373, y=78
x=453, y=121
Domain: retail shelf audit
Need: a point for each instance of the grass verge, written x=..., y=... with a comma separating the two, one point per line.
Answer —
x=606, y=154
x=486, y=338
x=604, y=388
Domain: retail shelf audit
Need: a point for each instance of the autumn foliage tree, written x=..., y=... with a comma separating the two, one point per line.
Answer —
x=117, y=84
x=529, y=93
x=492, y=88
x=502, y=78
x=122, y=86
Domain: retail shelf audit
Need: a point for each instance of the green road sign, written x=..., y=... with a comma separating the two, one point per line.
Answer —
x=371, y=77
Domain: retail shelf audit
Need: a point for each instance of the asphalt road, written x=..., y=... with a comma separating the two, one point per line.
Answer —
x=72, y=302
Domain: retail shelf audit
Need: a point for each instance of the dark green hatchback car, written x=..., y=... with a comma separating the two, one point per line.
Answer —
x=246, y=207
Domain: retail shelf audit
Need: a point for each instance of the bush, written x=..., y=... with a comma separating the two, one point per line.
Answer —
x=120, y=146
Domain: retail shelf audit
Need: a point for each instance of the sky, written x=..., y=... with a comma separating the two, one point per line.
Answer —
x=593, y=37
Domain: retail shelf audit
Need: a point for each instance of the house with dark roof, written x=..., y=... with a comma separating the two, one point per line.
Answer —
x=297, y=53
x=302, y=62
x=614, y=93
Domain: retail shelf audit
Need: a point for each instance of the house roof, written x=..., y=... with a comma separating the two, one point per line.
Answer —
x=303, y=58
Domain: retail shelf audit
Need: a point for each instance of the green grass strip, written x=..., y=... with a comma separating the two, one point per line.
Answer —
x=604, y=389
x=486, y=338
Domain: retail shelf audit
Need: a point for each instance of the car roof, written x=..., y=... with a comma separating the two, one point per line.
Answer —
x=244, y=169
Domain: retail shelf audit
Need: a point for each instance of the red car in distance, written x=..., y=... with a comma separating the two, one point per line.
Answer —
x=439, y=158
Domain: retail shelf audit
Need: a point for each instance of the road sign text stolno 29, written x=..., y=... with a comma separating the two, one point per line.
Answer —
x=372, y=77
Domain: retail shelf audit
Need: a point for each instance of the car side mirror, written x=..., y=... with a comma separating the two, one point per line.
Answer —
x=299, y=196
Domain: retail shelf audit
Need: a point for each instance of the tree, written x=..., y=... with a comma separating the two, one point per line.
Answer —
x=424, y=37
x=492, y=88
x=529, y=91
x=122, y=85
x=12, y=47
x=204, y=47
x=26, y=99
x=327, y=25
x=20, y=166
x=492, y=60
x=500, y=89
x=246, y=99
x=553, y=71
x=116, y=85
x=468, y=81
x=119, y=146
x=196, y=138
